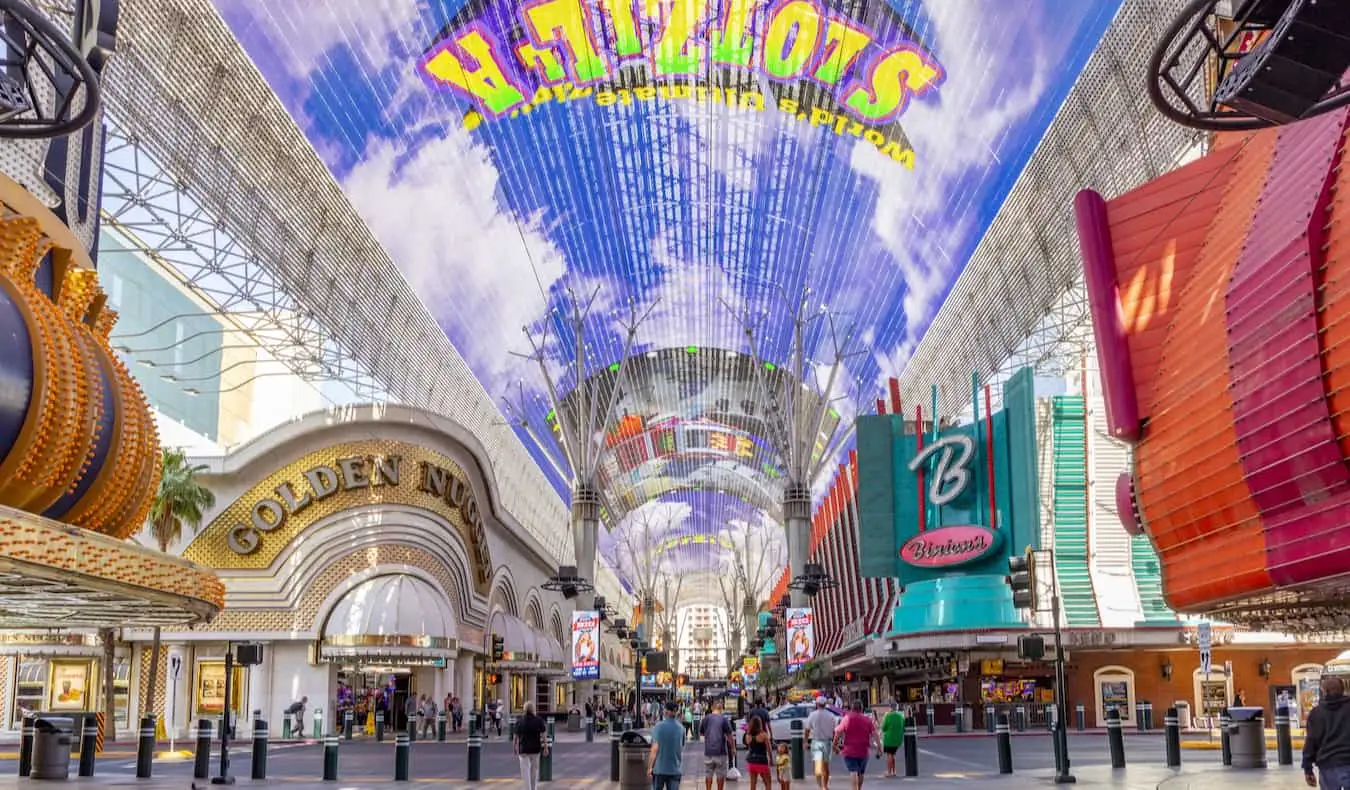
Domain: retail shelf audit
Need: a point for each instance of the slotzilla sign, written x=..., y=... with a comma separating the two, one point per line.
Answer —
x=948, y=547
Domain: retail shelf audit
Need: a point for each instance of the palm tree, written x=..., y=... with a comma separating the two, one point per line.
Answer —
x=181, y=501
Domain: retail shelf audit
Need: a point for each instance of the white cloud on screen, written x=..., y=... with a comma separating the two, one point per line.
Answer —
x=481, y=271
x=955, y=135
x=380, y=31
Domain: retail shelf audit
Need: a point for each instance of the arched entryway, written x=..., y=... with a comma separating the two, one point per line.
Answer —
x=391, y=638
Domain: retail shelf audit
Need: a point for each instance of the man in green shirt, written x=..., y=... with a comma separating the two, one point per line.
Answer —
x=892, y=735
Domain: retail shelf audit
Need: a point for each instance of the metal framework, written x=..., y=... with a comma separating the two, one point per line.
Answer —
x=1195, y=49
x=209, y=177
x=1106, y=137
x=581, y=431
x=795, y=422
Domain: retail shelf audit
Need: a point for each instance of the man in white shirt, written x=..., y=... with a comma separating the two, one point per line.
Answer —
x=820, y=734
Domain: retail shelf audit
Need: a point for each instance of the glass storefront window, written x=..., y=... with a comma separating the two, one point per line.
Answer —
x=519, y=693
x=30, y=690
x=69, y=685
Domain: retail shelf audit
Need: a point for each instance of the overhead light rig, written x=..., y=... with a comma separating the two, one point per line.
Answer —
x=813, y=580
x=568, y=582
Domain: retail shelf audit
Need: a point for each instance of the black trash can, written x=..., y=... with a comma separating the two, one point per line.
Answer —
x=1247, y=736
x=634, y=749
x=53, y=740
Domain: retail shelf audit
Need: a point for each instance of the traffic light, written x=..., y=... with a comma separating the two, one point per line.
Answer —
x=498, y=647
x=1022, y=580
x=849, y=677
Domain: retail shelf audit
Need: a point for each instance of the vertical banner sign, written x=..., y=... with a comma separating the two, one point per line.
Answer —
x=801, y=638
x=585, y=645
x=1205, y=638
x=750, y=670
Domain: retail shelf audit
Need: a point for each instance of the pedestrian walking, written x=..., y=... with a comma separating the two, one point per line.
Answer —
x=665, y=761
x=530, y=743
x=1326, y=744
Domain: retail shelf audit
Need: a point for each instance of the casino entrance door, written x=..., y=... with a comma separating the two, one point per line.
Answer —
x=370, y=689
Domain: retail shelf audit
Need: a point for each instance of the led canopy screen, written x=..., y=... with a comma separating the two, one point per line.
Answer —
x=696, y=418
x=710, y=164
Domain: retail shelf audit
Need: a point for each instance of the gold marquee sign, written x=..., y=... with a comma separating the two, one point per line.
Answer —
x=251, y=533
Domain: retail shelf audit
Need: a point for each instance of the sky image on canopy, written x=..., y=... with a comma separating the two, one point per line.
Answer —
x=711, y=164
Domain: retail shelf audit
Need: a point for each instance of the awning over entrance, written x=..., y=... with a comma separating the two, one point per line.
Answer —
x=527, y=647
x=391, y=618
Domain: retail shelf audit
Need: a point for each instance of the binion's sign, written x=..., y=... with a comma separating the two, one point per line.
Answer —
x=947, y=547
x=513, y=55
x=948, y=461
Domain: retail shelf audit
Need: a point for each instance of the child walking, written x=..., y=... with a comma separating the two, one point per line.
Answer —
x=783, y=761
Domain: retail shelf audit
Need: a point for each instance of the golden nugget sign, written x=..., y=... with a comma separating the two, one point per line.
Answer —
x=361, y=473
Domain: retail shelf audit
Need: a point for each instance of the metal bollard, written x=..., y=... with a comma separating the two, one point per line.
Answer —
x=1225, y=741
x=1004, y=745
x=474, y=765
x=440, y=726
x=590, y=729
x=1172, y=734
x=627, y=725
x=413, y=722
x=693, y=729
x=911, y=744
x=798, y=749
x=89, y=745
x=201, y=766
x=379, y=726
x=511, y=728
x=546, y=759
x=1139, y=716
x=1080, y=711
x=960, y=718
x=1148, y=716
x=1021, y=712
x=931, y=718
x=285, y=727
x=318, y=723
x=990, y=715
x=1115, y=739
x=613, y=754
x=26, y=746
x=1284, y=736
x=402, y=751
x=259, y=768
x=330, y=758
x=145, y=748
x=348, y=718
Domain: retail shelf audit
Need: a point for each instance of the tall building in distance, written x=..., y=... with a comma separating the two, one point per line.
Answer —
x=702, y=638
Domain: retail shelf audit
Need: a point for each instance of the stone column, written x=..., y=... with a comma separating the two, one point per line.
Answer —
x=585, y=532
x=260, y=692
x=797, y=522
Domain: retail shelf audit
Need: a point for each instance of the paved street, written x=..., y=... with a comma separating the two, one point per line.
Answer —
x=364, y=763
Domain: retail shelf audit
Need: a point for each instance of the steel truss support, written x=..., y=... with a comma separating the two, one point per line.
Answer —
x=581, y=431
x=796, y=416
x=147, y=210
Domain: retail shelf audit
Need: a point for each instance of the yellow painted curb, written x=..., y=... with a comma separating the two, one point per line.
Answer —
x=1215, y=745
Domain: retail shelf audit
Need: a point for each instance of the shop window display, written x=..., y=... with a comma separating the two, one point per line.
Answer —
x=68, y=685
x=1114, y=689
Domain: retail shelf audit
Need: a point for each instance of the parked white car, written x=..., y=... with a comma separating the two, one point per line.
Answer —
x=781, y=718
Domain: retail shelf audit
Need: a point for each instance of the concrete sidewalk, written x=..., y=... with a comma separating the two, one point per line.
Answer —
x=1132, y=778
